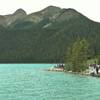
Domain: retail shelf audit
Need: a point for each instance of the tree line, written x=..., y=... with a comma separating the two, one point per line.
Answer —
x=78, y=55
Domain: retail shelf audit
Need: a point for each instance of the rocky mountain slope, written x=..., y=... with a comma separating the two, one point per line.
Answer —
x=44, y=36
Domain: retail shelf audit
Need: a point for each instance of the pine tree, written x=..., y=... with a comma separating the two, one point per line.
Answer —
x=78, y=55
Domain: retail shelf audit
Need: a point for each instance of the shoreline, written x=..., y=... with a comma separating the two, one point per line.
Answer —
x=70, y=72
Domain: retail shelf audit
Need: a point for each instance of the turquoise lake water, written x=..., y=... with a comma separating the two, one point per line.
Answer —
x=32, y=82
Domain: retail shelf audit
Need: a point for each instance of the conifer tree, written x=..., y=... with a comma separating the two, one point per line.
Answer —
x=77, y=56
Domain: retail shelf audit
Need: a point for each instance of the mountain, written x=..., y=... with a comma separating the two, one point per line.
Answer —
x=44, y=36
x=9, y=19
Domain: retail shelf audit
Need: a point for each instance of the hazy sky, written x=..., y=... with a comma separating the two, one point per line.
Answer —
x=90, y=8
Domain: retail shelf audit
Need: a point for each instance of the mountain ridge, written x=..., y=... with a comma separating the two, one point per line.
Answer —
x=44, y=36
x=51, y=11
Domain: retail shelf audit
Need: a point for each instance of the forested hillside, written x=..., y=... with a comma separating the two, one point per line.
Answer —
x=44, y=36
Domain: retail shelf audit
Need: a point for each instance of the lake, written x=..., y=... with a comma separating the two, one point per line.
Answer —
x=32, y=82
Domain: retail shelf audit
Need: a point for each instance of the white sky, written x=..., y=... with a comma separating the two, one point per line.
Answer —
x=90, y=8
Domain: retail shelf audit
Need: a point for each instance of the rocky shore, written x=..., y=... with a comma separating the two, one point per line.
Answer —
x=86, y=73
x=56, y=69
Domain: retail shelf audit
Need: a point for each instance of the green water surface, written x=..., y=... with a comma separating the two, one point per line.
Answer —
x=32, y=82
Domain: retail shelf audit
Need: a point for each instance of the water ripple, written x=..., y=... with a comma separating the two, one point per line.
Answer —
x=31, y=82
